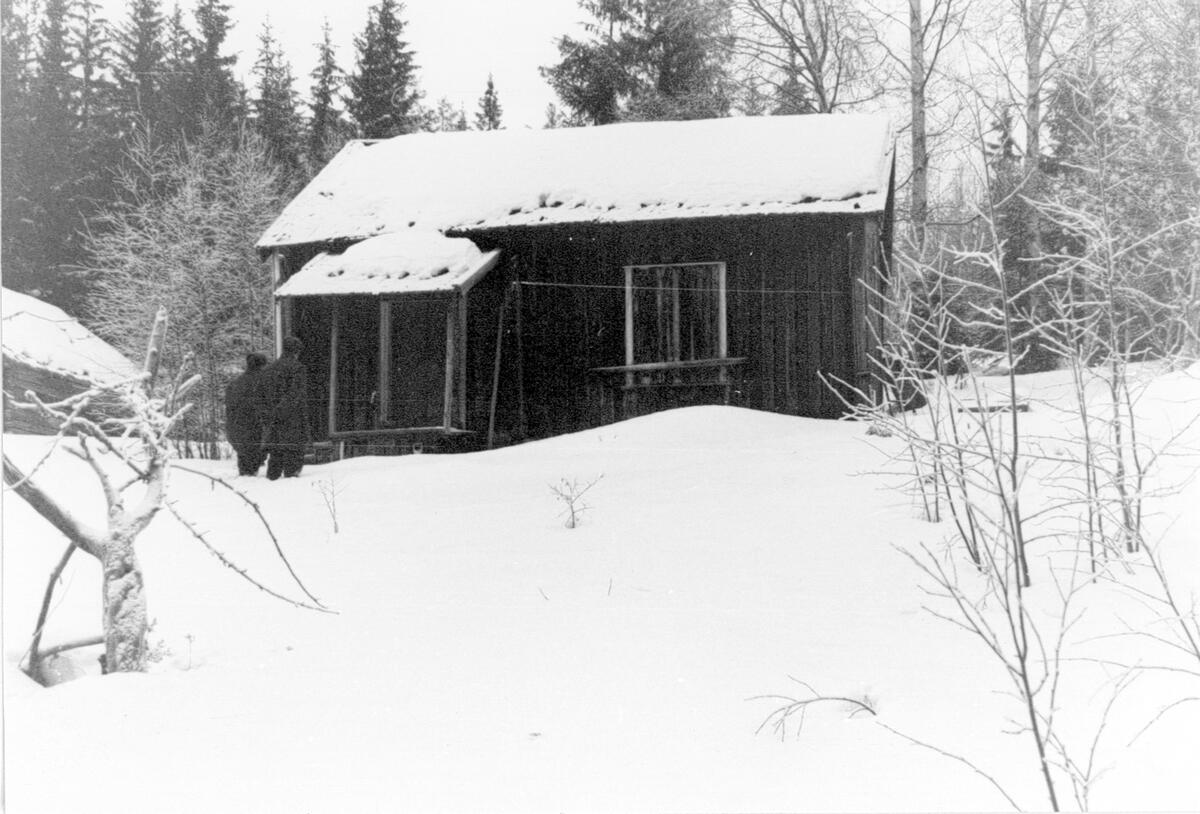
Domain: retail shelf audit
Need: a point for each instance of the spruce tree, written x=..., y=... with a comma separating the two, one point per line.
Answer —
x=443, y=117
x=275, y=101
x=217, y=94
x=140, y=54
x=383, y=94
x=51, y=160
x=92, y=50
x=17, y=132
x=326, y=129
x=488, y=115
x=646, y=59
x=176, y=89
x=97, y=137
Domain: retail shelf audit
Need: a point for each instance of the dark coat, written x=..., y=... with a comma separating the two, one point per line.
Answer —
x=243, y=422
x=285, y=404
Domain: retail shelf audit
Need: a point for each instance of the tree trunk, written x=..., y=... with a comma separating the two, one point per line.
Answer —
x=1034, y=26
x=125, y=623
x=920, y=158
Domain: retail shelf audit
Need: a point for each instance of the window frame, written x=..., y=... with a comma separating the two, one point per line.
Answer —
x=722, y=311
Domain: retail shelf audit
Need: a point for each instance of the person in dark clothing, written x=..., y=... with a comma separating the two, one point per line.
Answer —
x=285, y=418
x=243, y=425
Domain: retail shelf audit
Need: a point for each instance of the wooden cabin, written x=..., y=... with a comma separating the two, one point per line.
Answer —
x=51, y=354
x=469, y=289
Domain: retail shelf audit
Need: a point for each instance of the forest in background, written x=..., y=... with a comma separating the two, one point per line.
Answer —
x=138, y=170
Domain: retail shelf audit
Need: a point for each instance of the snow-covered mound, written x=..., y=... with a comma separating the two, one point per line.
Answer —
x=487, y=658
x=691, y=428
x=40, y=335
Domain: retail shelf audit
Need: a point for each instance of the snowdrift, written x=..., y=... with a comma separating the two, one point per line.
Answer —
x=485, y=657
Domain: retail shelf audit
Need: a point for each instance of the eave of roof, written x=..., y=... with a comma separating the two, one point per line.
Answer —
x=613, y=174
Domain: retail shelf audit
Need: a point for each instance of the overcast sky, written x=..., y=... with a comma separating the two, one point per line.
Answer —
x=457, y=42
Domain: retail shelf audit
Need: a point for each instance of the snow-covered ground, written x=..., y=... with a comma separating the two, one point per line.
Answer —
x=484, y=657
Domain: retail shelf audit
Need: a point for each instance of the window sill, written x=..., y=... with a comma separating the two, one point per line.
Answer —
x=646, y=367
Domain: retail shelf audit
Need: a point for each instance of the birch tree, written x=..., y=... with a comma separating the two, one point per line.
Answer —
x=932, y=28
x=819, y=55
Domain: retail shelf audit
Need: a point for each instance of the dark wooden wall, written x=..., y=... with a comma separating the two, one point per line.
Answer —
x=50, y=386
x=795, y=307
x=791, y=303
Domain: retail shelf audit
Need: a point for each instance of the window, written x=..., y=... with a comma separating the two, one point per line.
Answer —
x=674, y=314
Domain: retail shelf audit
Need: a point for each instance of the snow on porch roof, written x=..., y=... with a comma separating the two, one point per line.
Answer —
x=408, y=262
x=613, y=173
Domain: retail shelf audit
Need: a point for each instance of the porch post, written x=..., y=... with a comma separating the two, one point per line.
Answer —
x=448, y=389
x=282, y=309
x=722, y=328
x=629, y=324
x=385, y=362
x=462, y=360
x=491, y=437
x=333, y=359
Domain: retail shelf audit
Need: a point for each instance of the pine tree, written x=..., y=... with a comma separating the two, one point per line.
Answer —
x=646, y=59
x=92, y=51
x=218, y=95
x=94, y=105
x=556, y=118
x=139, y=64
x=792, y=97
x=276, y=118
x=445, y=116
x=327, y=129
x=176, y=88
x=383, y=94
x=488, y=115
x=593, y=76
x=50, y=212
x=17, y=133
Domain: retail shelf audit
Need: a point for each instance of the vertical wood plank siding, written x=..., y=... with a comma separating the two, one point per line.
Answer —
x=791, y=310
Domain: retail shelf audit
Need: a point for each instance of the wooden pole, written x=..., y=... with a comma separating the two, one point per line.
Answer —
x=629, y=323
x=462, y=360
x=448, y=390
x=333, y=371
x=491, y=436
x=522, y=419
x=385, y=363
x=277, y=310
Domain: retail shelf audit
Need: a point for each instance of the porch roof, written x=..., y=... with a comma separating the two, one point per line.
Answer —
x=410, y=262
x=613, y=173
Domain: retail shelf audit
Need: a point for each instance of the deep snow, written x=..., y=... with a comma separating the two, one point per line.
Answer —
x=486, y=658
x=614, y=173
x=41, y=335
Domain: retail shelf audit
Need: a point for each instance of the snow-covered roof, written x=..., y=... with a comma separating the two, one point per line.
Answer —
x=614, y=173
x=41, y=335
x=407, y=262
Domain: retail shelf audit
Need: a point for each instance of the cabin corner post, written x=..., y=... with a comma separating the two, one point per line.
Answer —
x=282, y=311
x=860, y=310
